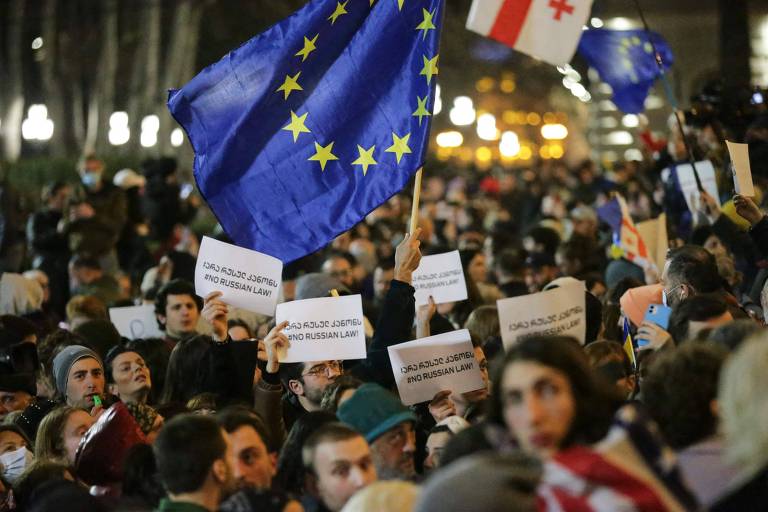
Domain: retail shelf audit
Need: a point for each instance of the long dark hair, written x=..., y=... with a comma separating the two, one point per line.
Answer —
x=186, y=370
x=595, y=401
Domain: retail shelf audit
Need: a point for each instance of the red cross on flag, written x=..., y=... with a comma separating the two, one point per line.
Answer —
x=546, y=29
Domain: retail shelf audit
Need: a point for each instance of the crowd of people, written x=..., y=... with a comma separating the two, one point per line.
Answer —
x=206, y=417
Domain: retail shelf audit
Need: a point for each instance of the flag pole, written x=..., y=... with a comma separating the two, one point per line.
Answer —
x=415, y=205
x=670, y=95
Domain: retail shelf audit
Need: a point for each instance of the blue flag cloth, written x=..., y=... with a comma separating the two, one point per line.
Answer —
x=624, y=60
x=305, y=129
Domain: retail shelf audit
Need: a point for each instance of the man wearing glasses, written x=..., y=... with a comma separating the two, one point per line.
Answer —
x=305, y=383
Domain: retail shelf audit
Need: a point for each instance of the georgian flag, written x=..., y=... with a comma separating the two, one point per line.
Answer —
x=548, y=30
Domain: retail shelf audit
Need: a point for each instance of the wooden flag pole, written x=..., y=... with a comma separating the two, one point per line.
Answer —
x=415, y=205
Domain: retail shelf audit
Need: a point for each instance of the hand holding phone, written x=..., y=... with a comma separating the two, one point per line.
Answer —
x=656, y=315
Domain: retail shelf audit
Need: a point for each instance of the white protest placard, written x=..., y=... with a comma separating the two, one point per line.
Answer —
x=688, y=186
x=426, y=366
x=559, y=311
x=327, y=328
x=135, y=322
x=742, y=173
x=248, y=279
x=442, y=277
x=654, y=234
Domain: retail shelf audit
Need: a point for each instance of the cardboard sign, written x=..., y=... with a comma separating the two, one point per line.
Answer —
x=426, y=366
x=742, y=174
x=440, y=276
x=136, y=322
x=249, y=280
x=560, y=311
x=328, y=328
x=688, y=185
x=654, y=234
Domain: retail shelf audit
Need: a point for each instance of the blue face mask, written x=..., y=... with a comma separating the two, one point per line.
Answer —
x=90, y=179
x=14, y=463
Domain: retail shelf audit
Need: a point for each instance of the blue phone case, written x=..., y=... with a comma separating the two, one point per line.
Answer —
x=656, y=314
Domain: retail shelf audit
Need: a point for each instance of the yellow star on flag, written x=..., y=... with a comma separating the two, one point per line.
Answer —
x=399, y=146
x=400, y=4
x=427, y=24
x=297, y=126
x=323, y=155
x=430, y=68
x=291, y=84
x=309, y=47
x=340, y=9
x=366, y=158
x=421, y=110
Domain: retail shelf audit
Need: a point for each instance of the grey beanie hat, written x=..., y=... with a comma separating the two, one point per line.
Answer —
x=64, y=361
x=316, y=285
x=508, y=485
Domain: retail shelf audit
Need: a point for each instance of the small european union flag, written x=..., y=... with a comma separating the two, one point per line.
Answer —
x=309, y=126
x=625, y=60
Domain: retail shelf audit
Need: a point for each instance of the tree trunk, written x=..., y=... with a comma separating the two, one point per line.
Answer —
x=13, y=82
x=179, y=62
x=71, y=75
x=54, y=97
x=102, y=99
x=143, y=87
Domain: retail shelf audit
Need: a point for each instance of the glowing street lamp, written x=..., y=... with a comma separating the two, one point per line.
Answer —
x=37, y=126
x=119, y=133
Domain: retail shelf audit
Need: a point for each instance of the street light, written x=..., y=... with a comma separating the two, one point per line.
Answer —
x=37, y=126
x=509, y=145
x=554, y=131
x=177, y=137
x=450, y=139
x=119, y=133
x=486, y=127
x=149, y=127
x=463, y=112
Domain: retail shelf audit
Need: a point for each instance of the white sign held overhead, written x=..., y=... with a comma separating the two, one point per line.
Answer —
x=426, y=366
x=248, y=279
x=442, y=277
x=136, y=322
x=559, y=311
x=742, y=173
x=327, y=328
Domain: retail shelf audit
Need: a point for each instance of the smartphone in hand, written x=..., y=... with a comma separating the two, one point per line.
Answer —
x=656, y=314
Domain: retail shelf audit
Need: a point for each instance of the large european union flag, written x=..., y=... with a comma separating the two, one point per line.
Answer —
x=625, y=61
x=306, y=128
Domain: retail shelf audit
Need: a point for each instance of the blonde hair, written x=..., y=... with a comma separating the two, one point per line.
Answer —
x=384, y=496
x=743, y=405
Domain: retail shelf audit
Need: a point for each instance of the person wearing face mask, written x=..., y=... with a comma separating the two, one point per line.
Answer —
x=15, y=454
x=93, y=225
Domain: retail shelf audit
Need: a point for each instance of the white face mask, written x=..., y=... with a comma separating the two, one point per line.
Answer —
x=14, y=463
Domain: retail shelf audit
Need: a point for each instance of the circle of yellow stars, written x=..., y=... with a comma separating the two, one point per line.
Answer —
x=627, y=43
x=365, y=159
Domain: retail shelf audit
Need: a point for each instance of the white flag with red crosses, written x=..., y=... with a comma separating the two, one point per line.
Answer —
x=548, y=30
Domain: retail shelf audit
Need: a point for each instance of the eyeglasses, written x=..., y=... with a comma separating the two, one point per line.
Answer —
x=325, y=368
